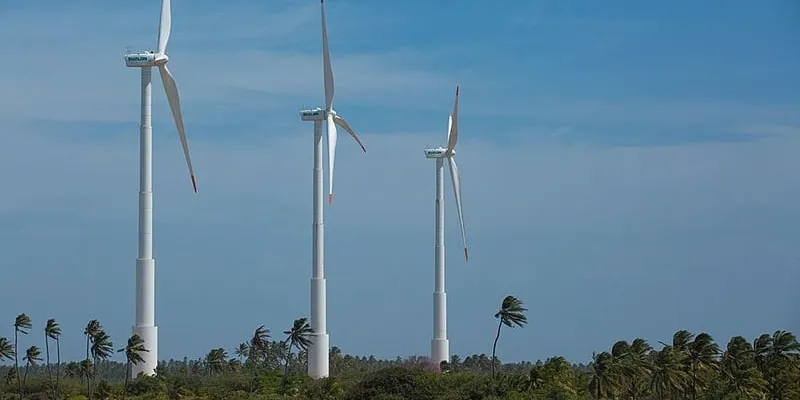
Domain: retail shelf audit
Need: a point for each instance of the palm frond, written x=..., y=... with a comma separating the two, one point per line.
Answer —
x=52, y=329
x=22, y=323
x=32, y=355
x=512, y=312
x=6, y=349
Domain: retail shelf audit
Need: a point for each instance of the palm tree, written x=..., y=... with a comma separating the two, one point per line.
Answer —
x=783, y=345
x=276, y=353
x=102, y=348
x=773, y=355
x=32, y=355
x=90, y=332
x=668, y=376
x=133, y=356
x=638, y=366
x=53, y=331
x=7, y=352
x=557, y=372
x=701, y=356
x=86, y=371
x=511, y=313
x=534, y=379
x=259, y=343
x=298, y=337
x=21, y=324
x=216, y=359
x=739, y=369
x=6, y=349
x=604, y=382
x=619, y=367
x=234, y=365
x=242, y=351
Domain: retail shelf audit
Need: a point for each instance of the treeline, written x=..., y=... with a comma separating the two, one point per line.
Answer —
x=691, y=366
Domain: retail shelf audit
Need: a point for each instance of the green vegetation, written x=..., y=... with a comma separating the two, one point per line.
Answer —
x=692, y=366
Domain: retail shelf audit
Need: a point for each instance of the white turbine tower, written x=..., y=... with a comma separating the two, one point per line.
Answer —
x=318, y=351
x=145, y=325
x=440, y=347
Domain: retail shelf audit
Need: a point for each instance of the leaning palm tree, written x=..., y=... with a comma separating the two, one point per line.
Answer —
x=739, y=369
x=91, y=330
x=701, y=356
x=242, y=351
x=259, y=344
x=133, y=356
x=619, y=368
x=52, y=331
x=101, y=350
x=604, y=380
x=298, y=337
x=86, y=369
x=6, y=349
x=21, y=324
x=774, y=355
x=7, y=353
x=32, y=355
x=511, y=313
x=216, y=360
x=638, y=366
x=668, y=377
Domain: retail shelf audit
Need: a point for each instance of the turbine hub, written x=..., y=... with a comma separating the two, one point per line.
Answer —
x=161, y=59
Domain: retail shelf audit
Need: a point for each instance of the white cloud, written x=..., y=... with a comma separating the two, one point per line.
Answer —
x=59, y=80
x=506, y=186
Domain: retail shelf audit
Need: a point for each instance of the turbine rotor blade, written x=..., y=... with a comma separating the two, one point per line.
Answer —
x=326, y=61
x=331, y=155
x=449, y=129
x=456, y=178
x=452, y=129
x=341, y=122
x=171, y=90
x=164, y=26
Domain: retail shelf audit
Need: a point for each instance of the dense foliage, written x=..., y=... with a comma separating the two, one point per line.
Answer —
x=692, y=366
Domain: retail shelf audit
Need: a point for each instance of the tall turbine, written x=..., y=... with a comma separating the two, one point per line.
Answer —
x=145, y=325
x=440, y=347
x=318, y=351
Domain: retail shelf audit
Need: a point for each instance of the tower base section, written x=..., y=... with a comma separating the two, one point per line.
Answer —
x=150, y=336
x=318, y=356
x=440, y=346
x=440, y=350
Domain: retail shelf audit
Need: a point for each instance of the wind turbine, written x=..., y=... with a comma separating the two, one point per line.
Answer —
x=440, y=346
x=145, y=325
x=318, y=351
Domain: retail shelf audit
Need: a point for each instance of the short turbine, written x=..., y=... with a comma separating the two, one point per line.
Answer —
x=440, y=347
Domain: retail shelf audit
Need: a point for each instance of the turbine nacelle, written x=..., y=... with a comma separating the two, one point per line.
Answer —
x=316, y=114
x=439, y=152
x=140, y=60
x=145, y=59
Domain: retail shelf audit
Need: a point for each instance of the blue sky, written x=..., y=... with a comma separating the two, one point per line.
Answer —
x=629, y=169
